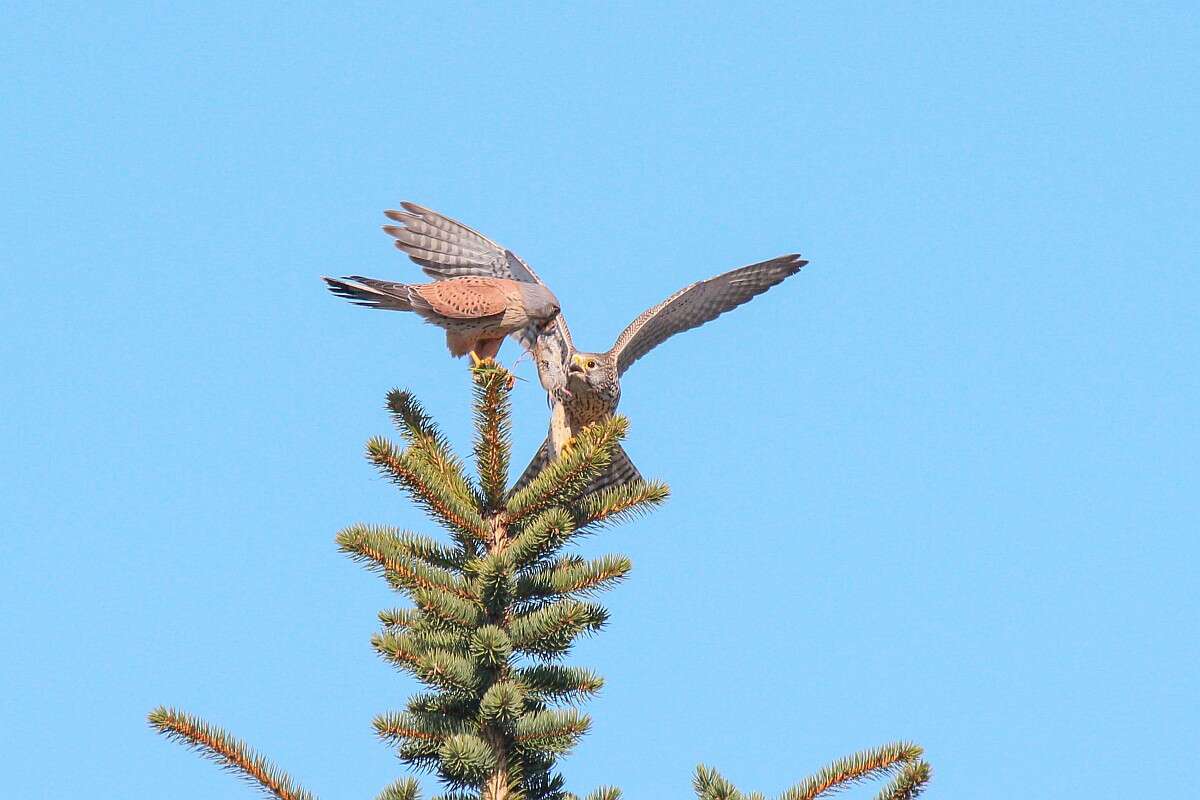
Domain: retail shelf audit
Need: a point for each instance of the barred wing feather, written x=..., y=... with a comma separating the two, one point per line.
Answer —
x=697, y=304
x=446, y=248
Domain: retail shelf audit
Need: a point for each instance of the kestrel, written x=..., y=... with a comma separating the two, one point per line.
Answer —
x=586, y=385
x=477, y=312
x=591, y=387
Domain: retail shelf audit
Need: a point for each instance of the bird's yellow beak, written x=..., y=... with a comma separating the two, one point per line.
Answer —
x=577, y=364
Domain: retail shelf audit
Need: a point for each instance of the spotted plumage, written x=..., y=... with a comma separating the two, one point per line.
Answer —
x=476, y=312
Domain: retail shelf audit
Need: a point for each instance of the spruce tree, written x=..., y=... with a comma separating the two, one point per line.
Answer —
x=494, y=609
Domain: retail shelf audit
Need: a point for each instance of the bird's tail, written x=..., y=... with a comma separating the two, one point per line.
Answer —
x=373, y=293
x=619, y=472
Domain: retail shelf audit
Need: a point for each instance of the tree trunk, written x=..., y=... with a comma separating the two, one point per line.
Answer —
x=496, y=786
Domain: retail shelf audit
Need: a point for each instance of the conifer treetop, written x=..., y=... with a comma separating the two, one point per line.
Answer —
x=494, y=610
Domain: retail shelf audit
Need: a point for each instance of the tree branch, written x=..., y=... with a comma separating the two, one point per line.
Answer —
x=230, y=753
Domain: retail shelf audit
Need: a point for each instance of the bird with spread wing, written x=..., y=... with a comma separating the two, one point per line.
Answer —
x=582, y=387
x=476, y=311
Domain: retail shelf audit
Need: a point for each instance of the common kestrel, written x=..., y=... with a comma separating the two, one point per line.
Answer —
x=587, y=385
x=476, y=311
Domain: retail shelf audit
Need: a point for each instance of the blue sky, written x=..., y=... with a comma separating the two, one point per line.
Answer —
x=939, y=486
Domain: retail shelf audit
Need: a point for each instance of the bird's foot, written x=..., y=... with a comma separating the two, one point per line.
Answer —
x=476, y=361
x=567, y=447
x=486, y=362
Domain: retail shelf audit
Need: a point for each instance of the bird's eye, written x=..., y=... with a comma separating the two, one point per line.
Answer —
x=591, y=363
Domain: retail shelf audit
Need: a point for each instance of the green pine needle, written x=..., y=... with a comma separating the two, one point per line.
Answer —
x=502, y=702
x=492, y=582
x=710, y=785
x=493, y=428
x=540, y=536
x=428, y=489
x=901, y=759
x=405, y=725
x=558, y=683
x=549, y=631
x=449, y=672
x=565, y=478
x=909, y=783
x=396, y=619
x=408, y=561
x=554, y=731
x=230, y=753
x=403, y=650
x=874, y=763
x=449, y=608
x=619, y=503
x=466, y=760
x=571, y=575
x=605, y=793
x=441, y=704
x=428, y=444
x=403, y=789
x=432, y=552
x=491, y=647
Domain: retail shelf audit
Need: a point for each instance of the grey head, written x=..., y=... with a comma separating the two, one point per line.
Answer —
x=594, y=385
x=540, y=303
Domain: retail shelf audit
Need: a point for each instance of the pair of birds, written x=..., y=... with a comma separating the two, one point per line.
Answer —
x=483, y=292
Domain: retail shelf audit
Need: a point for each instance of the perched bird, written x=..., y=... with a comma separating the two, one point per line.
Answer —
x=582, y=387
x=477, y=312
x=591, y=387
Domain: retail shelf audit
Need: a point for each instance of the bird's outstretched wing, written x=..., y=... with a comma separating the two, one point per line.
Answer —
x=697, y=304
x=446, y=248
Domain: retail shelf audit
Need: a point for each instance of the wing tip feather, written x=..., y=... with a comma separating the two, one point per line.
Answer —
x=413, y=208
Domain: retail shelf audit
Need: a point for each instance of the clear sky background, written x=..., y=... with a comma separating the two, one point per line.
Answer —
x=939, y=486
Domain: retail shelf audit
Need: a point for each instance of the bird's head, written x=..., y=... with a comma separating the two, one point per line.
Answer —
x=540, y=303
x=597, y=370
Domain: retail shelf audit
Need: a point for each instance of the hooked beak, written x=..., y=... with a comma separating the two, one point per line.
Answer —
x=576, y=365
